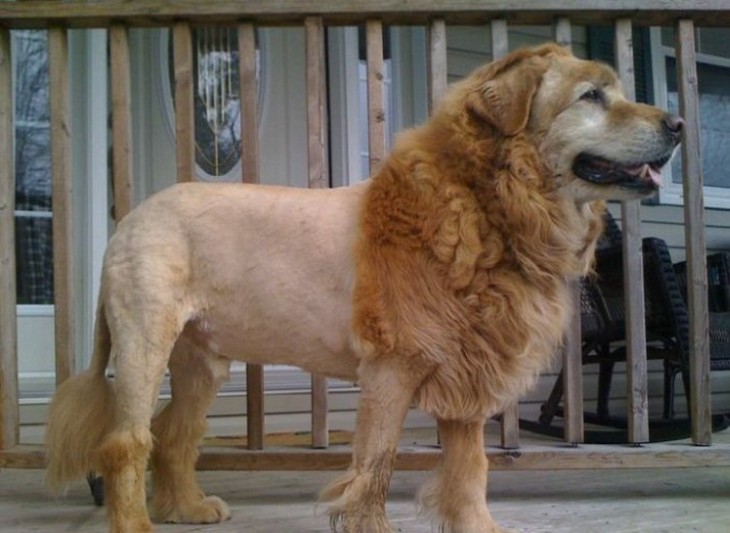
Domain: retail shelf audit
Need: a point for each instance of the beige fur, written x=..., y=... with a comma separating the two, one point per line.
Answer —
x=442, y=280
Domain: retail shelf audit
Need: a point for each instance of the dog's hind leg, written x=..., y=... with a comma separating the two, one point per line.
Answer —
x=176, y=497
x=141, y=344
x=357, y=499
x=456, y=497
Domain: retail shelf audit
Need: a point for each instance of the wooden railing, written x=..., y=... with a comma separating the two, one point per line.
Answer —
x=182, y=15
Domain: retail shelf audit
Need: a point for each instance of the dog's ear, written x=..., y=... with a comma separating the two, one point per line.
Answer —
x=502, y=94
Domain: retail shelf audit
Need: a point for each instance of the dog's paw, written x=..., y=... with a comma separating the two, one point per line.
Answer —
x=209, y=510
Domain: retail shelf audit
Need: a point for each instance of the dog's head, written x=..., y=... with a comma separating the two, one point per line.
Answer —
x=596, y=144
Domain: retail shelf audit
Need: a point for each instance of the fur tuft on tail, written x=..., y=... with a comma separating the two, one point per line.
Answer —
x=80, y=416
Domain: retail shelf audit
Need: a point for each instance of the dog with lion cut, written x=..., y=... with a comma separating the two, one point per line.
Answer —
x=441, y=281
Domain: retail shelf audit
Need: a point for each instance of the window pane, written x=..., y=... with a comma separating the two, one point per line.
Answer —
x=714, y=86
x=30, y=48
x=33, y=247
x=34, y=256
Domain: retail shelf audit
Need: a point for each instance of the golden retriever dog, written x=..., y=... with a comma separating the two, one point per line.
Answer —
x=440, y=282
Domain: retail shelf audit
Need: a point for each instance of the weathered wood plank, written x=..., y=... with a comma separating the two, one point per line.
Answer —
x=528, y=458
x=316, y=103
x=500, y=39
x=572, y=374
x=250, y=173
x=376, y=93
x=437, y=67
x=250, y=154
x=318, y=178
x=510, y=427
x=637, y=382
x=255, y=406
x=9, y=415
x=122, y=162
x=510, y=424
x=320, y=413
x=417, y=458
x=563, y=33
x=63, y=269
x=34, y=13
x=694, y=212
x=182, y=40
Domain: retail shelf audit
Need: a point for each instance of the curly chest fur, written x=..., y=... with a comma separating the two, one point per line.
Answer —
x=473, y=288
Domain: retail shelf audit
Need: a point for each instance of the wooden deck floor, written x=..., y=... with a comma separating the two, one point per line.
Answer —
x=641, y=501
x=588, y=501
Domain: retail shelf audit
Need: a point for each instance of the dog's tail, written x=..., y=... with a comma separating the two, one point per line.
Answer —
x=80, y=416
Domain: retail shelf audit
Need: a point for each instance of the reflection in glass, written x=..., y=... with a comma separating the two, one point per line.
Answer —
x=33, y=217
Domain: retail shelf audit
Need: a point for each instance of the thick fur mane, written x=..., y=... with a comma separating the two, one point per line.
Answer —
x=467, y=247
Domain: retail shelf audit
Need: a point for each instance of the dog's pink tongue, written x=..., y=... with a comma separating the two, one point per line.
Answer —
x=654, y=174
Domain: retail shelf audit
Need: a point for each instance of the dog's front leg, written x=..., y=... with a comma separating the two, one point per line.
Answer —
x=456, y=496
x=357, y=499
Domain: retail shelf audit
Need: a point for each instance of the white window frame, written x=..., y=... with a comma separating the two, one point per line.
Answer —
x=672, y=193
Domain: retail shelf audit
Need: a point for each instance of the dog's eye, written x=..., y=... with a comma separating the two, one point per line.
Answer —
x=594, y=95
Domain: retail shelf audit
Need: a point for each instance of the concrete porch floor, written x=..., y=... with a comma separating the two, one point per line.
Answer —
x=669, y=500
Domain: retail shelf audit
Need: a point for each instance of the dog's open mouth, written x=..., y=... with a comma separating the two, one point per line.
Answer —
x=601, y=171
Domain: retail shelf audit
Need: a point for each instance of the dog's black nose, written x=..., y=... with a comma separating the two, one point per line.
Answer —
x=673, y=125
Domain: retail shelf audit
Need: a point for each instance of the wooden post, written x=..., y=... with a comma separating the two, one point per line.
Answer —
x=376, y=98
x=572, y=350
x=563, y=33
x=251, y=164
x=249, y=103
x=63, y=271
x=573, y=372
x=9, y=417
x=255, y=406
x=694, y=234
x=437, y=69
x=510, y=426
x=318, y=178
x=121, y=120
x=182, y=40
x=500, y=39
x=636, y=370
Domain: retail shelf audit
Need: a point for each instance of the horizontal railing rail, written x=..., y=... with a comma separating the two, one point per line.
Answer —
x=102, y=13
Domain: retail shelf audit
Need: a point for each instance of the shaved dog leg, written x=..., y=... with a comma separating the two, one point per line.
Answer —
x=176, y=497
x=456, y=496
x=357, y=499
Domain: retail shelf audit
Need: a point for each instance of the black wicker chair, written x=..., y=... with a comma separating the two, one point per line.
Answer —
x=667, y=322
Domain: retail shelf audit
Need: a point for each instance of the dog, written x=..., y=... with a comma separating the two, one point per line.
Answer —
x=441, y=281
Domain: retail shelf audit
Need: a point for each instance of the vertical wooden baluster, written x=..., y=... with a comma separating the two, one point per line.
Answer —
x=249, y=103
x=182, y=40
x=437, y=69
x=694, y=233
x=121, y=120
x=63, y=270
x=572, y=356
x=9, y=415
x=636, y=369
x=251, y=164
x=376, y=94
x=510, y=426
x=500, y=38
x=318, y=178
